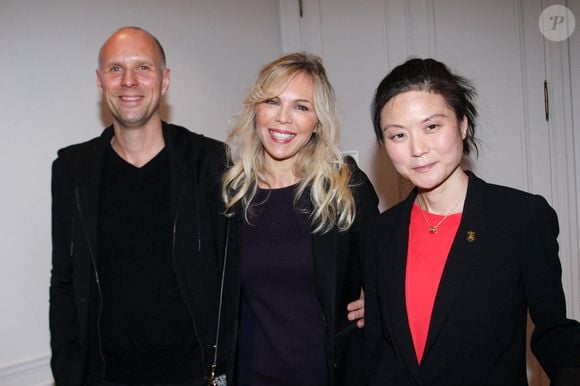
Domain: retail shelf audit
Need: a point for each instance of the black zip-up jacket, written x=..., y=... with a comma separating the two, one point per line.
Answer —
x=197, y=164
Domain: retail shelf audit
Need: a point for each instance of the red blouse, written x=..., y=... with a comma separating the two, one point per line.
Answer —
x=426, y=257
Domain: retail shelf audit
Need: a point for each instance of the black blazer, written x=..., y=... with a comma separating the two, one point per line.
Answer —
x=338, y=281
x=503, y=262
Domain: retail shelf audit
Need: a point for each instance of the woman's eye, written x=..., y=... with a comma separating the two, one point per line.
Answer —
x=431, y=127
x=271, y=102
x=302, y=108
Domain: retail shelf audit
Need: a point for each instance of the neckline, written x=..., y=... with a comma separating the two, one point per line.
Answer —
x=289, y=187
x=436, y=215
x=159, y=157
x=415, y=204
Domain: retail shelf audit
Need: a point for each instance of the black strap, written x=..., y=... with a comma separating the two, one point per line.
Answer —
x=212, y=377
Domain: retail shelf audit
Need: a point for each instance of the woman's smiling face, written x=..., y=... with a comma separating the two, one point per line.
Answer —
x=285, y=123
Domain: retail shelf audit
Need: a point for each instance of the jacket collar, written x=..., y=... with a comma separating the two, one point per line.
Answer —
x=85, y=160
x=183, y=152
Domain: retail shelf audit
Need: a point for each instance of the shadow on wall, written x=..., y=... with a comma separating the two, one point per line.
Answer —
x=389, y=185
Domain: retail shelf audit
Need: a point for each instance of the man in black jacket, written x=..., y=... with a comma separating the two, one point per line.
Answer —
x=133, y=293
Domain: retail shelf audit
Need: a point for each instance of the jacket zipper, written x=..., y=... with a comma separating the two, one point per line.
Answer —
x=97, y=279
x=179, y=282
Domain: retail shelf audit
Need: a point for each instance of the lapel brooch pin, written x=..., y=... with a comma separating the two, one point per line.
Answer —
x=471, y=237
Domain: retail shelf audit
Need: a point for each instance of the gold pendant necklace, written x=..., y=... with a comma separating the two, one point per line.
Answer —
x=432, y=229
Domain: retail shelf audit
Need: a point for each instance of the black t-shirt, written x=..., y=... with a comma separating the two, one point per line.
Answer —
x=147, y=332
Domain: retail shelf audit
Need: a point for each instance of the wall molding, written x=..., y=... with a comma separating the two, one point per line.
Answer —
x=289, y=26
x=32, y=372
x=301, y=32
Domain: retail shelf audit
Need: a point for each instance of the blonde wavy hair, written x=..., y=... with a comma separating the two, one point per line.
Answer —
x=319, y=164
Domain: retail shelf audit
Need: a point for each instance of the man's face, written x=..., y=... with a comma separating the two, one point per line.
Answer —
x=132, y=78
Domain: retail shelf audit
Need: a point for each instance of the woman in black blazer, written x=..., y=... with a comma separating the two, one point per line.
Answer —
x=452, y=271
x=296, y=210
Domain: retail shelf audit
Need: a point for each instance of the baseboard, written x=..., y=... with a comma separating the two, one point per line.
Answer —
x=34, y=372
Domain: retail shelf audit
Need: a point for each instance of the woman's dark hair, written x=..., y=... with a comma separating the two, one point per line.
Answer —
x=431, y=76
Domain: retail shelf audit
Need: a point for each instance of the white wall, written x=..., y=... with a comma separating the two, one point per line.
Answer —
x=48, y=99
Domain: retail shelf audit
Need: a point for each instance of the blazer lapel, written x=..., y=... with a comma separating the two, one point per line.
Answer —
x=395, y=247
x=461, y=260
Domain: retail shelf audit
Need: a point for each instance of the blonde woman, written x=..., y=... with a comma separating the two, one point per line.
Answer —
x=296, y=210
